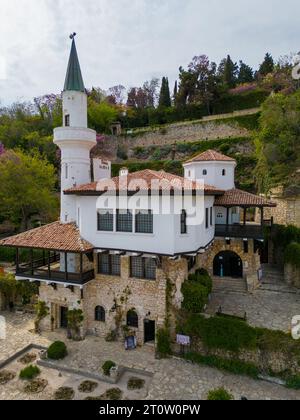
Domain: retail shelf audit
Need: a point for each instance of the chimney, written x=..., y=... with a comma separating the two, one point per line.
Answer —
x=124, y=172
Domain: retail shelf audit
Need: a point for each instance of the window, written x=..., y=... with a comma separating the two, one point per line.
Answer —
x=99, y=314
x=144, y=221
x=124, y=221
x=109, y=264
x=189, y=174
x=207, y=218
x=246, y=247
x=183, y=223
x=132, y=319
x=204, y=172
x=66, y=171
x=143, y=268
x=67, y=120
x=105, y=220
x=211, y=217
x=224, y=172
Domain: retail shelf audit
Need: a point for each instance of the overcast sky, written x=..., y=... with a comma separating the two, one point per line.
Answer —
x=129, y=41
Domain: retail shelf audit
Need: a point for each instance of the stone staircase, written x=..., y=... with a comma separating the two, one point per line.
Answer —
x=229, y=285
x=273, y=280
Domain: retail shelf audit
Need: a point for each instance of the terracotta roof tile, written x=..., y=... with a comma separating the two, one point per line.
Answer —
x=237, y=197
x=211, y=156
x=148, y=179
x=55, y=236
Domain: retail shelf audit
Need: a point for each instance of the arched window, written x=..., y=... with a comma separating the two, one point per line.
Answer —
x=204, y=171
x=99, y=314
x=132, y=319
x=224, y=172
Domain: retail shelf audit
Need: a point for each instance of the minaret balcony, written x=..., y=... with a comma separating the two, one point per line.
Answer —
x=75, y=134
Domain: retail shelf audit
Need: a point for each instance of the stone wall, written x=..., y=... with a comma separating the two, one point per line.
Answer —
x=292, y=275
x=2, y=302
x=277, y=362
x=55, y=299
x=181, y=132
x=287, y=211
x=251, y=260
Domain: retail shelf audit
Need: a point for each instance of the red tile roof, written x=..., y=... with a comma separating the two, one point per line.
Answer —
x=143, y=181
x=211, y=156
x=55, y=236
x=237, y=197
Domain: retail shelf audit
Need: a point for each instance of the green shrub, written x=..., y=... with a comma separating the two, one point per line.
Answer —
x=135, y=383
x=195, y=295
x=292, y=254
x=221, y=333
x=29, y=372
x=163, y=342
x=219, y=394
x=57, y=351
x=293, y=382
x=64, y=394
x=233, y=366
x=107, y=367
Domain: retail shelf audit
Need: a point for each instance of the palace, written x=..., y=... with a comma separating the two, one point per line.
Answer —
x=119, y=241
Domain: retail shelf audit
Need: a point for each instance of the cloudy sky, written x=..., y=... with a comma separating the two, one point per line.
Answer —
x=129, y=41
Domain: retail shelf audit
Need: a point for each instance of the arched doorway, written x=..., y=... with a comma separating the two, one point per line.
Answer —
x=228, y=264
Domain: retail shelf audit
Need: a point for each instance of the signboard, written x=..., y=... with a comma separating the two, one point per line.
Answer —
x=130, y=343
x=183, y=340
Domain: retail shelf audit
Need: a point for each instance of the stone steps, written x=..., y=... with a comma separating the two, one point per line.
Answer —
x=225, y=284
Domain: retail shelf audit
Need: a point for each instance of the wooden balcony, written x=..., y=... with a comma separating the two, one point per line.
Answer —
x=249, y=231
x=48, y=269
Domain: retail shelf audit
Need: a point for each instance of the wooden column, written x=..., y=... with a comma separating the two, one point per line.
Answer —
x=66, y=266
x=245, y=216
x=17, y=259
x=81, y=265
x=49, y=265
x=31, y=262
x=44, y=257
x=262, y=216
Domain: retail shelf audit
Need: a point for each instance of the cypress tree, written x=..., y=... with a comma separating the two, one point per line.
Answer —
x=165, y=96
x=267, y=66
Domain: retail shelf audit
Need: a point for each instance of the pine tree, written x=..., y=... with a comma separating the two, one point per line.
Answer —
x=228, y=71
x=165, y=96
x=267, y=66
x=245, y=73
x=175, y=93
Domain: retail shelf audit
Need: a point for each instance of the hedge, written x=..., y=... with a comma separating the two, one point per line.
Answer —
x=57, y=351
x=292, y=254
x=195, y=291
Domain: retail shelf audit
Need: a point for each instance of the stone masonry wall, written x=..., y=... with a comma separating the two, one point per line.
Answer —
x=181, y=132
x=292, y=275
x=251, y=260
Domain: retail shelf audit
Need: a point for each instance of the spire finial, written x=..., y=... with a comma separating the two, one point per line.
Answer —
x=72, y=36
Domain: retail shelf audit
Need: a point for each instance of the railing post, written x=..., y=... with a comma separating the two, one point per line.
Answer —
x=17, y=259
x=66, y=266
x=49, y=265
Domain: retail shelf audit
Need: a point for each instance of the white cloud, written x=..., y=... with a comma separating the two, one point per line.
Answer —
x=129, y=41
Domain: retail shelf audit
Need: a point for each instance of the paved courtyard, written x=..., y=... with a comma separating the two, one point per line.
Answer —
x=264, y=308
x=173, y=379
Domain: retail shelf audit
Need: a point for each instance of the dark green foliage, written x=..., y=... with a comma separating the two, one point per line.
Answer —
x=293, y=382
x=247, y=100
x=219, y=394
x=195, y=291
x=29, y=372
x=165, y=96
x=221, y=333
x=57, y=351
x=267, y=65
x=228, y=71
x=233, y=366
x=163, y=342
x=292, y=254
x=285, y=235
x=245, y=73
x=107, y=367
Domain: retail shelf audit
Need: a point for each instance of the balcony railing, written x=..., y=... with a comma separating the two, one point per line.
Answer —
x=49, y=270
x=240, y=231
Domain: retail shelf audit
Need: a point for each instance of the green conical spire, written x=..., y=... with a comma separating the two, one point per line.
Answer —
x=74, y=79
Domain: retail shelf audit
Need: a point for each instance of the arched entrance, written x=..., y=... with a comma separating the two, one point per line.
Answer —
x=228, y=264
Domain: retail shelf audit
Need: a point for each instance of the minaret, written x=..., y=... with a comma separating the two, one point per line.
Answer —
x=74, y=139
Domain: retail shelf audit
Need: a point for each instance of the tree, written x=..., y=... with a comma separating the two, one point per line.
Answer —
x=27, y=188
x=41, y=312
x=116, y=95
x=278, y=143
x=228, y=71
x=101, y=115
x=75, y=320
x=165, y=96
x=267, y=65
x=245, y=73
x=175, y=92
